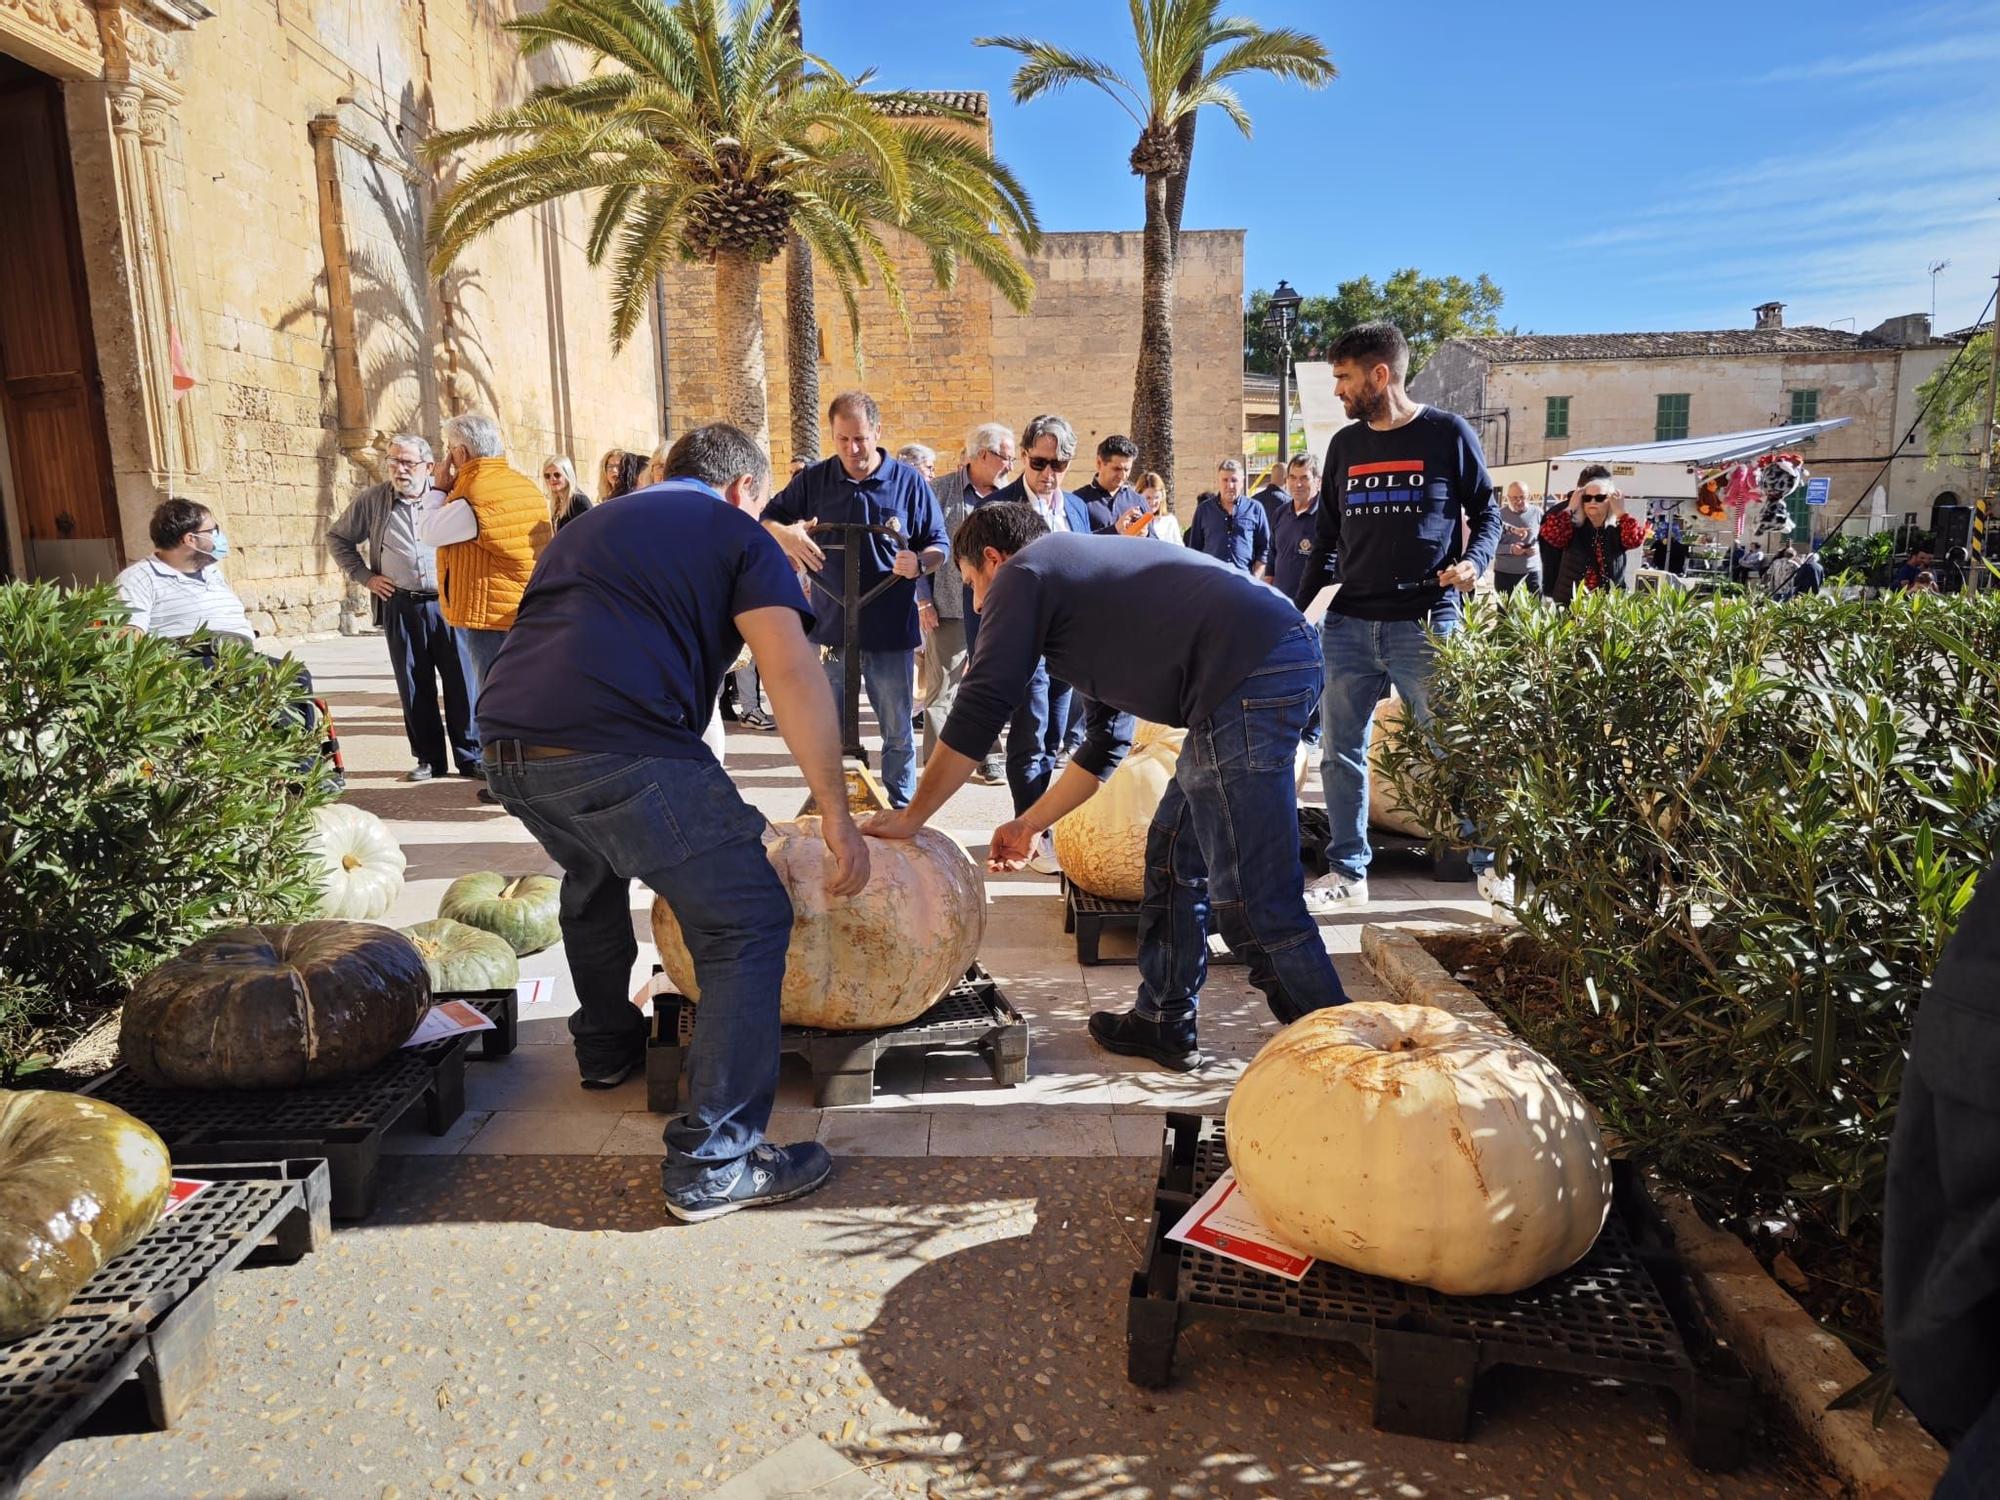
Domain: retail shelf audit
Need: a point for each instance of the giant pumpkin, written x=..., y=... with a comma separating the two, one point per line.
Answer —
x=361, y=865
x=1411, y=1143
x=1385, y=809
x=275, y=1007
x=81, y=1182
x=859, y=963
x=523, y=909
x=1102, y=845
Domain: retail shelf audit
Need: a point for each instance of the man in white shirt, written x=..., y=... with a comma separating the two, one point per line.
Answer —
x=180, y=588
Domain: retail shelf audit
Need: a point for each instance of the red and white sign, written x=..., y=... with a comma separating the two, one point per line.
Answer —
x=450, y=1019
x=179, y=1192
x=1226, y=1223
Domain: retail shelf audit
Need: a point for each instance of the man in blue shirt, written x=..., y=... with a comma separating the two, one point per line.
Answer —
x=1226, y=658
x=592, y=716
x=1229, y=530
x=1035, y=736
x=861, y=483
x=1108, y=495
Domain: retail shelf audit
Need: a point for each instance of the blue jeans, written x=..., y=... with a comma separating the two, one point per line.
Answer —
x=749, y=691
x=1975, y=1459
x=889, y=679
x=1364, y=659
x=1225, y=839
x=425, y=653
x=1035, y=737
x=481, y=646
x=681, y=827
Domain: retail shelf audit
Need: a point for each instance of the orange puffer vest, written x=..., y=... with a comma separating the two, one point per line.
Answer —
x=480, y=582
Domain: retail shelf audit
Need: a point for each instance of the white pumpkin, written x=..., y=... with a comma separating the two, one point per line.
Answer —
x=1408, y=1142
x=1102, y=845
x=859, y=963
x=361, y=865
x=1385, y=809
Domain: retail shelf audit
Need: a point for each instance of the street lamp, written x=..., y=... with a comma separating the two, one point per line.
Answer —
x=1280, y=320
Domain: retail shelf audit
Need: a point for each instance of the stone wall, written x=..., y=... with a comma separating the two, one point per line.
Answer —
x=267, y=214
x=967, y=357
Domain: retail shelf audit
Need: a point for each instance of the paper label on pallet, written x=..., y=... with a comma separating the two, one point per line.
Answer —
x=453, y=1018
x=1225, y=1223
x=179, y=1192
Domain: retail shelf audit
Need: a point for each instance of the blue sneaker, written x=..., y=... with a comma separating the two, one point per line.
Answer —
x=770, y=1174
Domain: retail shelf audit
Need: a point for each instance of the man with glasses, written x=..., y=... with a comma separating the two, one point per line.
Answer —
x=949, y=627
x=861, y=483
x=375, y=542
x=1035, y=734
x=180, y=588
x=1228, y=530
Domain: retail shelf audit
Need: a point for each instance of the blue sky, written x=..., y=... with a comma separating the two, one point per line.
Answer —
x=1613, y=167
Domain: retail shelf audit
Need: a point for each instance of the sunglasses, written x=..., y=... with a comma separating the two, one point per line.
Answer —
x=1041, y=464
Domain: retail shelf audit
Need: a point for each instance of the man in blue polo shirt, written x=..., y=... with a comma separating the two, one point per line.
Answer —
x=1228, y=529
x=591, y=718
x=1109, y=495
x=1231, y=661
x=1035, y=737
x=861, y=483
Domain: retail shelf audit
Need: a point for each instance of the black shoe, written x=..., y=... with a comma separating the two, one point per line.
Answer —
x=617, y=1073
x=474, y=772
x=1131, y=1035
x=419, y=772
x=486, y=795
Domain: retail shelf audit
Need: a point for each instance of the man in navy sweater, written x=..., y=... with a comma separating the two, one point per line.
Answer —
x=1224, y=657
x=1404, y=483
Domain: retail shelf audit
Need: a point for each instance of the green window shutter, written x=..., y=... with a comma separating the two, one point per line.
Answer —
x=1805, y=406
x=1670, y=418
x=1557, y=424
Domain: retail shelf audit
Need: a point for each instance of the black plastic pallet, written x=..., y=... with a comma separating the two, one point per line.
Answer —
x=137, y=1345
x=340, y=1123
x=502, y=1008
x=1088, y=915
x=1448, y=866
x=1624, y=1312
x=972, y=1014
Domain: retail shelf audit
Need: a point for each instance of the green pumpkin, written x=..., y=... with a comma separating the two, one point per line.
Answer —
x=463, y=958
x=520, y=908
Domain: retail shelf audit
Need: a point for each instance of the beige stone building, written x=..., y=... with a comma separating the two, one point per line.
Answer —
x=212, y=284
x=1537, y=396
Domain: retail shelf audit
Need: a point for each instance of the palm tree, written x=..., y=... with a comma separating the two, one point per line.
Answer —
x=711, y=137
x=801, y=312
x=1177, y=79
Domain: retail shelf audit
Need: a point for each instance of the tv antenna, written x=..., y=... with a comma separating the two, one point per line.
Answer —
x=1936, y=266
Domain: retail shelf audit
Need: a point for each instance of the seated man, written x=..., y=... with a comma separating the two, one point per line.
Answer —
x=180, y=588
x=1226, y=658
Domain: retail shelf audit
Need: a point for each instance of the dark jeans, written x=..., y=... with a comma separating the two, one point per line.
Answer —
x=426, y=654
x=1225, y=839
x=681, y=827
x=1035, y=737
x=1974, y=1470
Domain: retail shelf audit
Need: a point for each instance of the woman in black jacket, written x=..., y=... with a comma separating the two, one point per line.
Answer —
x=566, y=501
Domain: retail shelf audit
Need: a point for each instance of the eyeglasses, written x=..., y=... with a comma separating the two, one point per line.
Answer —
x=1040, y=464
x=405, y=463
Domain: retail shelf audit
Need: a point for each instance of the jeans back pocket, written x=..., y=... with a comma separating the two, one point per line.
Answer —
x=1273, y=727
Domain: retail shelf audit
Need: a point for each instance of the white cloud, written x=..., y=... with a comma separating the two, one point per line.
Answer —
x=1924, y=57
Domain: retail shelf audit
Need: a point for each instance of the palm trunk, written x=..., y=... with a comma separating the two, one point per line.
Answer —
x=1153, y=384
x=802, y=349
x=739, y=344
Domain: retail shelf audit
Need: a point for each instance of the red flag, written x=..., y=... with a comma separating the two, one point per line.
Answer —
x=183, y=381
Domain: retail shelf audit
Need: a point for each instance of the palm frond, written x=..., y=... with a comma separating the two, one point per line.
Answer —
x=1049, y=69
x=1290, y=55
x=1222, y=96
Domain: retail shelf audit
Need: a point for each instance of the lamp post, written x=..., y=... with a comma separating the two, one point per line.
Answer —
x=1281, y=318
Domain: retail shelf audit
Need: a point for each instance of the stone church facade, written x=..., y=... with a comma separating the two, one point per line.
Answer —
x=212, y=284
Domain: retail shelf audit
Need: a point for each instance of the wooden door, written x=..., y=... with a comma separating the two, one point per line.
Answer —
x=50, y=399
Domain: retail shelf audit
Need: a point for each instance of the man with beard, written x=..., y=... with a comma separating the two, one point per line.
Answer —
x=400, y=570
x=1404, y=486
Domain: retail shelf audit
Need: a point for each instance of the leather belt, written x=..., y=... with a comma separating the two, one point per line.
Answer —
x=505, y=748
x=421, y=595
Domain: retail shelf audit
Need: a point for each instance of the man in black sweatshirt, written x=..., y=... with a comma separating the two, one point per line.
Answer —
x=1225, y=658
x=1402, y=486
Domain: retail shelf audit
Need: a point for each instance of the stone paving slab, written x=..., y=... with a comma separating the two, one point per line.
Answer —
x=531, y=1325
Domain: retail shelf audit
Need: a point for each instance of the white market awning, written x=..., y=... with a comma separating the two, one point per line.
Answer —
x=1721, y=448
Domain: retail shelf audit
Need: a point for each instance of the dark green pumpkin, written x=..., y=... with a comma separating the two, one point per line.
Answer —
x=462, y=958
x=523, y=909
x=275, y=1007
x=81, y=1182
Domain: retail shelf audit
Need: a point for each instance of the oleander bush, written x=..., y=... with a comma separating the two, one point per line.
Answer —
x=1742, y=833
x=144, y=798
